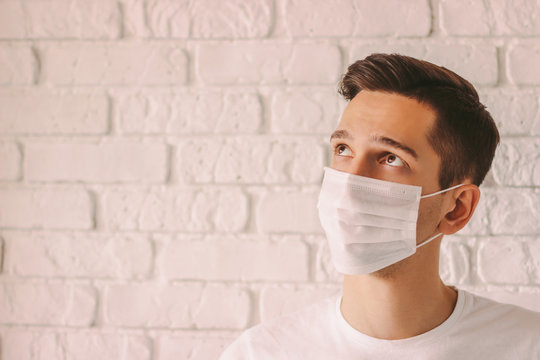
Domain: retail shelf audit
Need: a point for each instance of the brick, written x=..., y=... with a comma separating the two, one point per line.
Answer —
x=114, y=64
x=10, y=158
x=288, y=210
x=490, y=18
x=522, y=61
x=45, y=111
x=533, y=250
x=233, y=19
x=182, y=209
x=313, y=63
x=135, y=19
x=223, y=307
x=12, y=20
x=515, y=162
x=250, y=160
x=192, y=346
x=201, y=19
x=392, y=18
x=501, y=261
x=279, y=300
x=475, y=62
x=454, y=265
x=305, y=166
x=28, y=345
x=156, y=18
x=45, y=208
x=2, y=256
x=268, y=63
x=515, y=112
x=33, y=345
x=181, y=112
x=237, y=258
x=176, y=306
x=309, y=112
x=324, y=268
x=474, y=21
x=336, y=18
x=18, y=65
x=118, y=161
x=59, y=304
x=168, y=18
x=47, y=254
x=75, y=19
x=358, y=18
x=514, y=211
x=107, y=346
x=196, y=161
x=151, y=305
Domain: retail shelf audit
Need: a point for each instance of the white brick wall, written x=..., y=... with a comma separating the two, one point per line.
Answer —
x=160, y=162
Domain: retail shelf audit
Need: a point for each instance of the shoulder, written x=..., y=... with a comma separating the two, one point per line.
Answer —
x=505, y=317
x=273, y=338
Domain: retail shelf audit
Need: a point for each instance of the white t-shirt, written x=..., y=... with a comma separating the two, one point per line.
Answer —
x=477, y=329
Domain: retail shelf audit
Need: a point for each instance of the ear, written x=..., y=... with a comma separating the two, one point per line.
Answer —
x=462, y=203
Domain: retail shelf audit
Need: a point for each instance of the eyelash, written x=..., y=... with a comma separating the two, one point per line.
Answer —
x=338, y=146
x=341, y=146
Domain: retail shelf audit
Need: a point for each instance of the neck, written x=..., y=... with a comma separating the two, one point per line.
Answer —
x=399, y=304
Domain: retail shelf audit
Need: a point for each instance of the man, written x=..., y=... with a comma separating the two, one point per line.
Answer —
x=413, y=146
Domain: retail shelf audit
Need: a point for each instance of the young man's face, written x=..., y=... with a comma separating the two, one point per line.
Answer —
x=384, y=136
x=359, y=148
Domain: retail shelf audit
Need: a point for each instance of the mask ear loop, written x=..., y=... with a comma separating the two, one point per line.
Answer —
x=429, y=195
x=428, y=240
x=440, y=192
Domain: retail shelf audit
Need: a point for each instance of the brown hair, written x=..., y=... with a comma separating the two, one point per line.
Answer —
x=464, y=136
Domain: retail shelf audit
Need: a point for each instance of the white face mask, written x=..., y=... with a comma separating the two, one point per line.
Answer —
x=369, y=223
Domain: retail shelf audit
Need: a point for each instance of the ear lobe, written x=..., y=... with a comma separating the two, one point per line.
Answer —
x=464, y=207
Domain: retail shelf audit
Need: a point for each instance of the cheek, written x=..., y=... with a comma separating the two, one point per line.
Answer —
x=429, y=214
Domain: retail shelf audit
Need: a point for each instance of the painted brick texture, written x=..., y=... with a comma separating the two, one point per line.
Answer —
x=160, y=162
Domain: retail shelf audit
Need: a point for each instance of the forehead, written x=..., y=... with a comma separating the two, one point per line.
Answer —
x=395, y=116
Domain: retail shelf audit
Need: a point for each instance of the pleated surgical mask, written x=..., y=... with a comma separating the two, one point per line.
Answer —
x=369, y=223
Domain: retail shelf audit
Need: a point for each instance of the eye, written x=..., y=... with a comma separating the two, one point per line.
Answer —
x=342, y=150
x=394, y=160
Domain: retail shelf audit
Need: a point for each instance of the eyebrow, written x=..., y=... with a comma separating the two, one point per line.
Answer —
x=340, y=134
x=344, y=134
x=394, y=143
